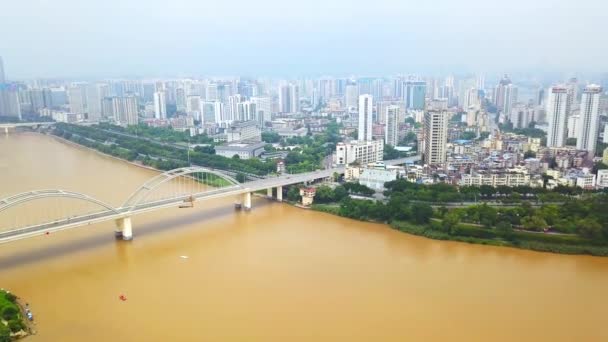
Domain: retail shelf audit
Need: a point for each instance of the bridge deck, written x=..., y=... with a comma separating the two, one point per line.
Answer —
x=108, y=215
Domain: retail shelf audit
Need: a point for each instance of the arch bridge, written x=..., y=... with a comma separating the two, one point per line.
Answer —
x=23, y=216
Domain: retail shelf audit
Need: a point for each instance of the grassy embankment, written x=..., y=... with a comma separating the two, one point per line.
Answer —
x=563, y=244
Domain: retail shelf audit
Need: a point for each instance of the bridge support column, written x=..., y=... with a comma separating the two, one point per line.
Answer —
x=280, y=193
x=269, y=192
x=247, y=201
x=6, y=130
x=124, y=229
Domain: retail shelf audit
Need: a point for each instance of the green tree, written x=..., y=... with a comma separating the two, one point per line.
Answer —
x=271, y=137
x=240, y=177
x=589, y=228
x=450, y=223
x=422, y=213
x=293, y=194
x=504, y=228
x=324, y=194
x=5, y=333
x=535, y=222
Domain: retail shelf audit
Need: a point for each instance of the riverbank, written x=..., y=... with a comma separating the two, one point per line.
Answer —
x=214, y=183
x=71, y=143
x=475, y=235
x=13, y=324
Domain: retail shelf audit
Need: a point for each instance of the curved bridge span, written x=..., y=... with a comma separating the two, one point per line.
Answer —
x=179, y=187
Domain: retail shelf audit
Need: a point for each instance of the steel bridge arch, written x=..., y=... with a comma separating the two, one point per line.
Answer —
x=147, y=188
x=29, y=196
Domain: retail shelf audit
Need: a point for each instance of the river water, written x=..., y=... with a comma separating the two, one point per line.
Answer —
x=276, y=273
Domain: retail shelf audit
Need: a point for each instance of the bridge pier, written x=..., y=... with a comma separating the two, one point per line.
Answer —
x=6, y=130
x=124, y=229
x=279, y=193
x=243, y=202
x=247, y=201
x=269, y=192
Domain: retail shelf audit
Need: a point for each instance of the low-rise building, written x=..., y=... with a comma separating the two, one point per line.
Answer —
x=244, y=131
x=496, y=179
x=362, y=152
x=308, y=194
x=244, y=150
x=376, y=175
x=602, y=178
x=586, y=181
x=290, y=133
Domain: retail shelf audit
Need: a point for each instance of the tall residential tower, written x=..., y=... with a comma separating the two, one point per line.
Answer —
x=589, y=119
x=558, y=110
x=365, y=118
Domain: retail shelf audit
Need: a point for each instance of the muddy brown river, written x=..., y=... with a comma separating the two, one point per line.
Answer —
x=277, y=273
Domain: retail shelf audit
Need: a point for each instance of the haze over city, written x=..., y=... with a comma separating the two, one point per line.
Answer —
x=117, y=38
x=322, y=170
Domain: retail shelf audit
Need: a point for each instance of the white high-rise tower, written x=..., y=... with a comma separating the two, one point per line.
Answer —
x=365, y=118
x=435, y=136
x=589, y=119
x=160, y=105
x=391, y=135
x=558, y=109
x=2, y=77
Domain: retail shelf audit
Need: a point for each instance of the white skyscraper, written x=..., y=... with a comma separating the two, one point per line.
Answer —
x=351, y=96
x=294, y=92
x=9, y=102
x=391, y=135
x=211, y=92
x=284, y=99
x=589, y=123
x=365, y=117
x=435, y=136
x=264, y=108
x=194, y=106
x=574, y=122
x=289, y=98
x=558, y=109
x=2, y=76
x=160, y=105
x=95, y=94
x=233, y=107
x=125, y=110
x=77, y=94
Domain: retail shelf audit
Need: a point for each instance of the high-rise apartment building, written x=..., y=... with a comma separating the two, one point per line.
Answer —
x=351, y=96
x=9, y=101
x=391, y=134
x=77, y=95
x=365, y=118
x=558, y=110
x=2, y=76
x=435, y=136
x=95, y=94
x=233, y=107
x=264, y=108
x=289, y=98
x=211, y=93
x=160, y=105
x=505, y=95
x=573, y=125
x=414, y=94
x=284, y=99
x=125, y=110
x=590, y=119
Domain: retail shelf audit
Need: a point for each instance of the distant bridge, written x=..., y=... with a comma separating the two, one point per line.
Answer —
x=8, y=126
x=180, y=187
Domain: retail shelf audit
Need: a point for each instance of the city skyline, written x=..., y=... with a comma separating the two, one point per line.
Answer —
x=263, y=38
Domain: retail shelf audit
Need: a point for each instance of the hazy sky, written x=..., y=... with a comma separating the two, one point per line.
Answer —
x=110, y=38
